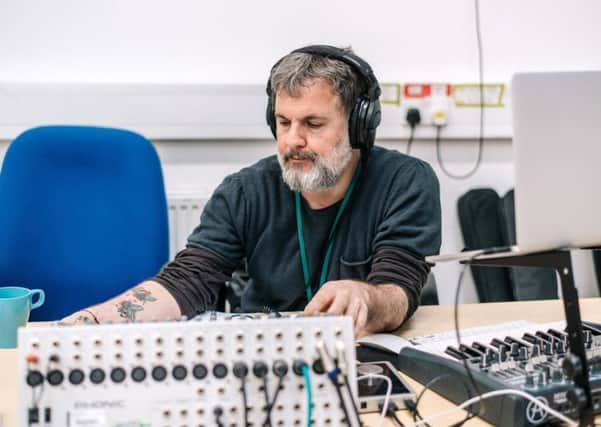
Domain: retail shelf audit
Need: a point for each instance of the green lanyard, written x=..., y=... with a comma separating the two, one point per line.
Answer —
x=301, y=239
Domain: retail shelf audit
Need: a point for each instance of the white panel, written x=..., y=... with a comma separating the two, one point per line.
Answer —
x=156, y=111
x=184, y=216
x=179, y=111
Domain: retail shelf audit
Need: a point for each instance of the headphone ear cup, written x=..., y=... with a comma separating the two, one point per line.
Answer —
x=270, y=116
x=353, y=126
x=373, y=118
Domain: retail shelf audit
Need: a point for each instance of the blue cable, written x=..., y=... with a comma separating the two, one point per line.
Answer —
x=305, y=370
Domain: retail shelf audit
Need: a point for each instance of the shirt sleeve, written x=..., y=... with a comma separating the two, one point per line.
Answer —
x=395, y=266
x=194, y=279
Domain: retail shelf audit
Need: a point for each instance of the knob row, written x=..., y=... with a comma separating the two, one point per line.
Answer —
x=117, y=375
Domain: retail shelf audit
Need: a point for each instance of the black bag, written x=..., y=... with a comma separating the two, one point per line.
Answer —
x=478, y=211
x=597, y=261
x=527, y=283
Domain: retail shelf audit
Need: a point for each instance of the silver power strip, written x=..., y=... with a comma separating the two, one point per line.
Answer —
x=183, y=373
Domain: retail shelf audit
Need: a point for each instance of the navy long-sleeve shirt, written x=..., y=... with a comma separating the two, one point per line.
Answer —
x=391, y=223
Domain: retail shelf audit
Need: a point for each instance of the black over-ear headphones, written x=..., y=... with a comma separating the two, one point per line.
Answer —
x=366, y=113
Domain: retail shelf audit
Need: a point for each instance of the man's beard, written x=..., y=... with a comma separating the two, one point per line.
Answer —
x=323, y=173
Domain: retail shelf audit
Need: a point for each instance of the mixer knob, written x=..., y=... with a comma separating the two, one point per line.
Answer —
x=138, y=374
x=484, y=363
x=118, y=375
x=179, y=372
x=76, y=376
x=491, y=355
x=547, y=370
x=515, y=350
x=560, y=347
x=557, y=376
x=523, y=354
x=240, y=370
x=200, y=371
x=535, y=350
x=159, y=373
x=97, y=375
x=220, y=370
x=503, y=353
x=543, y=378
x=547, y=348
x=55, y=377
x=571, y=365
x=530, y=380
x=34, y=378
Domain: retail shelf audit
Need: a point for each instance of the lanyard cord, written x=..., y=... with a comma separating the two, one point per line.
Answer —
x=331, y=236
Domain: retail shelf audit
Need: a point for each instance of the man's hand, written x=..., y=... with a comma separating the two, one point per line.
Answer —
x=344, y=297
x=374, y=308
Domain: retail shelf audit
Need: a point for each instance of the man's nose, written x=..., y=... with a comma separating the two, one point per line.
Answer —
x=294, y=136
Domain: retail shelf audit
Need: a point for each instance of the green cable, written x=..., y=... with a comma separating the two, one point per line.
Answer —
x=305, y=370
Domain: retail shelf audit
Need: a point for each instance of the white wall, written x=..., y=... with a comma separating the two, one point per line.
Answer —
x=236, y=42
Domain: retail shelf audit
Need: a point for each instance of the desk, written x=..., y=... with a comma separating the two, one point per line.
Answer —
x=427, y=319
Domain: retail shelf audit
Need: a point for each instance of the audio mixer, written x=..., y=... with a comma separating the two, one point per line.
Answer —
x=216, y=371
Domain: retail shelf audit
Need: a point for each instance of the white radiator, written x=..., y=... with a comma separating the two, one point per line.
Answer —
x=184, y=216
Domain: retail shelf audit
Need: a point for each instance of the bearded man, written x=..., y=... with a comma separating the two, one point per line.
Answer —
x=329, y=224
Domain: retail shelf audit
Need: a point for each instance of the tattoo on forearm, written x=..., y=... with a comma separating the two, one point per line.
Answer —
x=143, y=295
x=127, y=310
x=86, y=320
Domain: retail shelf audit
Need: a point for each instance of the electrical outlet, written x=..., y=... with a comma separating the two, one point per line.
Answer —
x=432, y=99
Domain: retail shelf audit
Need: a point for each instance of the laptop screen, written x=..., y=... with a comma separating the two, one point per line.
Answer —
x=557, y=155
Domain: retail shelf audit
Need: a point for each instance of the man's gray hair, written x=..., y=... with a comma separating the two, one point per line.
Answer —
x=297, y=70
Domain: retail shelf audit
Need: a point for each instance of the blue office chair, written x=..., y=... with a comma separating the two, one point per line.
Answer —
x=83, y=215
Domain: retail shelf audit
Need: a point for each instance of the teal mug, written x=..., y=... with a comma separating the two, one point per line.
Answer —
x=15, y=305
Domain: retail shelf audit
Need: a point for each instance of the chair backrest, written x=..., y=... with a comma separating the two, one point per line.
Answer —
x=429, y=294
x=478, y=211
x=83, y=215
x=528, y=283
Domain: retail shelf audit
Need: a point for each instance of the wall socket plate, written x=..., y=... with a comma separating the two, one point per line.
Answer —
x=468, y=94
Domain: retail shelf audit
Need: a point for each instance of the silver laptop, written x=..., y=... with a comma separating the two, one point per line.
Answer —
x=557, y=162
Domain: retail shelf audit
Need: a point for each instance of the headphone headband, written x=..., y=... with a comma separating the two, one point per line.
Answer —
x=365, y=115
x=355, y=62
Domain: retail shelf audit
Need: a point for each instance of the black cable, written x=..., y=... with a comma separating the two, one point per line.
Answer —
x=338, y=361
x=396, y=419
x=413, y=118
x=414, y=407
x=244, y=400
x=443, y=167
x=348, y=388
x=218, y=412
x=468, y=371
x=481, y=90
x=266, y=394
x=391, y=413
x=272, y=404
x=410, y=141
x=339, y=392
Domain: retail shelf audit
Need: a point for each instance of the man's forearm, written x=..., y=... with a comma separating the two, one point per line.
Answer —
x=144, y=302
x=388, y=307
